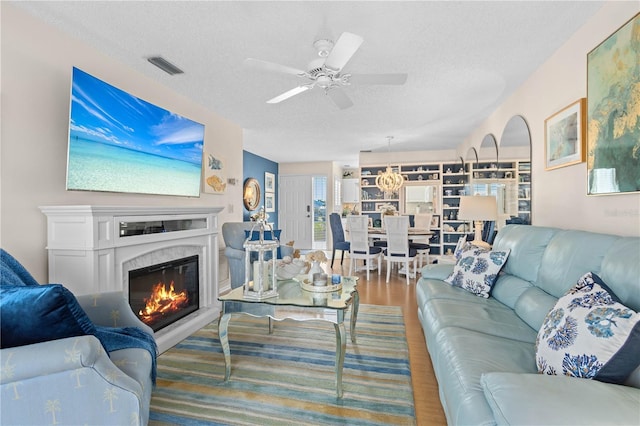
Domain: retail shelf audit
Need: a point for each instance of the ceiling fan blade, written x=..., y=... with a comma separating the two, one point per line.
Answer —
x=392, y=79
x=344, y=49
x=273, y=67
x=340, y=98
x=288, y=94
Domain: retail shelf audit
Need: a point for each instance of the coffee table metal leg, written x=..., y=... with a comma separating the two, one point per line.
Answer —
x=223, y=326
x=354, y=315
x=341, y=347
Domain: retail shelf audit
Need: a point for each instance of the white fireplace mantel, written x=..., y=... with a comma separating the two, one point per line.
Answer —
x=92, y=248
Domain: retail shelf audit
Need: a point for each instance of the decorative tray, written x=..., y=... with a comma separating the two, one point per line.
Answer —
x=308, y=286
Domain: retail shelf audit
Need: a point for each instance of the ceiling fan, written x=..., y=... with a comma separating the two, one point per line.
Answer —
x=326, y=73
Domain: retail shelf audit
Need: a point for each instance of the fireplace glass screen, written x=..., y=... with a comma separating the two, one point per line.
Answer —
x=163, y=293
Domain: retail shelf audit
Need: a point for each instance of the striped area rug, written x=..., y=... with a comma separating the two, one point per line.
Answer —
x=288, y=377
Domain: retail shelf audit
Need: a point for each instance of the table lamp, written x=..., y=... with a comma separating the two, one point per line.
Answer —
x=478, y=208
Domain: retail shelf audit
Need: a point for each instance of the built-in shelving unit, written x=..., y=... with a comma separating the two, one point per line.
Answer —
x=454, y=184
x=524, y=191
x=509, y=180
x=421, y=172
x=371, y=196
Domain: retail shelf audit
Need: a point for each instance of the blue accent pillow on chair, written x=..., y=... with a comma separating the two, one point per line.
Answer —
x=34, y=314
x=267, y=236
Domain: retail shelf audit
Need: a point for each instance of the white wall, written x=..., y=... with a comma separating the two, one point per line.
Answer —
x=408, y=157
x=36, y=74
x=559, y=196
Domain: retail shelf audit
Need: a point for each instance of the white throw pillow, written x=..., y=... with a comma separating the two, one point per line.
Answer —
x=477, y=270
x=590, y=334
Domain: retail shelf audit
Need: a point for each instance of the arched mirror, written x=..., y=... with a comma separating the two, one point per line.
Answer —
x=472, y=160
x=515, y=146
x=489, y=150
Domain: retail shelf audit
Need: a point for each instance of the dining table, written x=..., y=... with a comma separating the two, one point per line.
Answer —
x=379, y=232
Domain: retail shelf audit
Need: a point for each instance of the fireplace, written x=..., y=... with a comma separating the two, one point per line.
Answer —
x=92, y=251
x=161, y=294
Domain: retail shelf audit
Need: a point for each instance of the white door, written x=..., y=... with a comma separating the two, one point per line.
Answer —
x=295, y=214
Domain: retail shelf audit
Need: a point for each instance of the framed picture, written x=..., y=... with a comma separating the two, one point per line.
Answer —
x=613, y=78
x=435, y=221
x=378, y=206
x=564, y=136
x=269, y=182
x=269, y=202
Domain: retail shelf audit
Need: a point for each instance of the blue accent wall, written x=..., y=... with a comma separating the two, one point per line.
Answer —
x=254, y=166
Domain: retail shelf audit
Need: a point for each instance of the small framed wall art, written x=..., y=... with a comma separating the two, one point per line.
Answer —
x=269, y=202
x=435, y=221
x=564, y=134
x=269, y=182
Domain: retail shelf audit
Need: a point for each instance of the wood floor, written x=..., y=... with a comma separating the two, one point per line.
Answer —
x=377, y=292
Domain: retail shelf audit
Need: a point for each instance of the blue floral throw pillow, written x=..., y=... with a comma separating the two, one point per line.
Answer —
x=477, y=270
x=589, y=334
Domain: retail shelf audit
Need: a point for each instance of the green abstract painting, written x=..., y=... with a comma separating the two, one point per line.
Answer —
x=613, y=112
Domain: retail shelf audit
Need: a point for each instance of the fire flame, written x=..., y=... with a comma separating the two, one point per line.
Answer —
x=162, y=302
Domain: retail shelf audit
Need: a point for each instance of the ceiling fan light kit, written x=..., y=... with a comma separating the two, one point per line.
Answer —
x=326, y=73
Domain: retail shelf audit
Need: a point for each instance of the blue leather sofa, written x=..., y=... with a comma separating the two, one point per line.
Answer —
x=483, y=350
x=71, y=380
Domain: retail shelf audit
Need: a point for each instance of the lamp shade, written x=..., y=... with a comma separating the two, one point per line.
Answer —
x=478, y=207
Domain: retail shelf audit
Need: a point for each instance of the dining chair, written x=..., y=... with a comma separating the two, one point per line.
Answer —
x=422, y=221
x=398, y=250
x=489, y=231
x=337, y=234
x=381, y=241
x=360, y=249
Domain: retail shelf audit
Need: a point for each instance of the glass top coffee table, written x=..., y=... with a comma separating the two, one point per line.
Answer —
x=297, y=304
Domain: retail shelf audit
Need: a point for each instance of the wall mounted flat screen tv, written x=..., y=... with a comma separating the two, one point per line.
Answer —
x=120, y=143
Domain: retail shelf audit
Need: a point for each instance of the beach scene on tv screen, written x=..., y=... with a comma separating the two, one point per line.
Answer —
x=120, y=143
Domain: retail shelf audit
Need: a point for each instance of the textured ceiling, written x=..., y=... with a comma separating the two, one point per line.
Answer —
x=462, y=60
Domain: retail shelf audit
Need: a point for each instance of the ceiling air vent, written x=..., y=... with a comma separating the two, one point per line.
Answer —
x=165, y=65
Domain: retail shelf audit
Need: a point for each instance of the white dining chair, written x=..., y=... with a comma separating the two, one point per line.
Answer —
x=398, y=251
x=360, y=249
x=421, y=243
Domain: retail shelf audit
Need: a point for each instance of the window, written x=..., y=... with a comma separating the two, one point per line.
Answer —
x=319, y=212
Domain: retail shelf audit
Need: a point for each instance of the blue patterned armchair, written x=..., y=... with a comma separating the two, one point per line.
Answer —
x=76, y=379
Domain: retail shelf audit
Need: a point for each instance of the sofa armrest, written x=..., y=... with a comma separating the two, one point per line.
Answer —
x=559, y=400
x=62, y=355
x=437, y=271
x=67, y=381
x=232, y=253
x=111, y=310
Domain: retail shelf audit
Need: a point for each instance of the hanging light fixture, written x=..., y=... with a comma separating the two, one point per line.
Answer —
x=389, y=181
